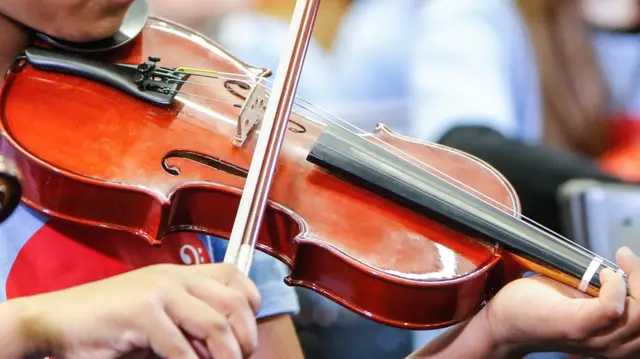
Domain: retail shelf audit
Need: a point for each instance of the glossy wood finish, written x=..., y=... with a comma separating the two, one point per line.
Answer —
x=93, y=155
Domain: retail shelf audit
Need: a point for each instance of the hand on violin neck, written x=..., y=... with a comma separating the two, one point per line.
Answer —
x=168, y=311
x=71, y=20
x=539, y=314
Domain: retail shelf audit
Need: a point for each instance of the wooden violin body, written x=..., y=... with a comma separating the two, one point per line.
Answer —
x=93, y=154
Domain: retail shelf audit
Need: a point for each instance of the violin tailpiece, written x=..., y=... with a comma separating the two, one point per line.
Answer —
x=146, y=81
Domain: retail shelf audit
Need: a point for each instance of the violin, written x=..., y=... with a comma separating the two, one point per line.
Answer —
x=159, y=133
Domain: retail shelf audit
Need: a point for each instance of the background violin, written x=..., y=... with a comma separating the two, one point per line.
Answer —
x=154, y=133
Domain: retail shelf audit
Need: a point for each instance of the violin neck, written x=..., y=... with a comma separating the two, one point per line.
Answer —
x=379, y=170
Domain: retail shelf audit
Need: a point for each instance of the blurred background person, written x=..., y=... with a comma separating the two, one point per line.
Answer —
x=535, y=88
x=542, y=85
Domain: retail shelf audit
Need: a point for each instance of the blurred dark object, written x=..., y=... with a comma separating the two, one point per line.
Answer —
x=328, y=331
x=601, y=216
x=535, y=171
x=10, y=188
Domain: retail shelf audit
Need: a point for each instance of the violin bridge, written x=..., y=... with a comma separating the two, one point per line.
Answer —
x=252, y=112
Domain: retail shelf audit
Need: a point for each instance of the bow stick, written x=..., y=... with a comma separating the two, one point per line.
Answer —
x=246, y=227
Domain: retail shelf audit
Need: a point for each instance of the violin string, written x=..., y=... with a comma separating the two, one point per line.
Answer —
x=567, y=243
x=315, y=113
x=238, y=105
x=222, y=74
x=339, y=122
x=527, y=221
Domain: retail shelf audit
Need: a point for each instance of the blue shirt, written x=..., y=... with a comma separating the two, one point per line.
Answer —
x=38, y=254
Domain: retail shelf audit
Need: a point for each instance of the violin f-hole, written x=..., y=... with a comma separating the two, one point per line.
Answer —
x=208, y=161
x=228, y=85
x=296, y=128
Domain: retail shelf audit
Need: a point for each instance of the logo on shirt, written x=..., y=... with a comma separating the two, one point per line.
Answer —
x=190, y=255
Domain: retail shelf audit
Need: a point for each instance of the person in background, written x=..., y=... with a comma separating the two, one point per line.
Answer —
x=535, y=88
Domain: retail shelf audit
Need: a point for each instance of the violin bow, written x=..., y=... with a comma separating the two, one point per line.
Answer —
x=244, y=235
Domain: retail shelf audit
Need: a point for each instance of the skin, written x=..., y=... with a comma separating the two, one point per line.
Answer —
x=176, y=311
x=616, y=15
x=71, y=20
x=557, y=318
